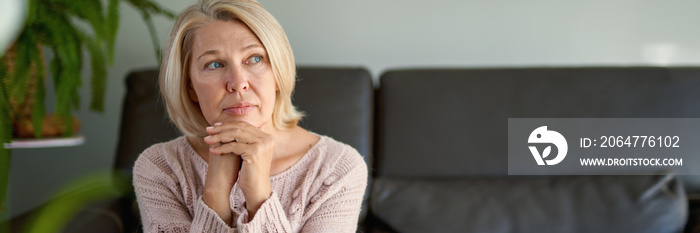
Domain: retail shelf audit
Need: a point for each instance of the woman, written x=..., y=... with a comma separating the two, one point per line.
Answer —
x=243, y=163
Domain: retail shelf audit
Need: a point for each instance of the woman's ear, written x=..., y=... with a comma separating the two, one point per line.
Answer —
x=191, y=93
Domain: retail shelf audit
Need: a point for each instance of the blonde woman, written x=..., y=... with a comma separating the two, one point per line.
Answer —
x=243, y=163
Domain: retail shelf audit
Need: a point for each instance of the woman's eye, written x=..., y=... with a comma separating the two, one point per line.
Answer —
x=214, y=65
x=254, y=59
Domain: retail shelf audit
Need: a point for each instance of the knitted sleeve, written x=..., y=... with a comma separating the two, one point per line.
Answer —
x=161, y=201
x=338, y=208
x=333, y=208
x=270, y=217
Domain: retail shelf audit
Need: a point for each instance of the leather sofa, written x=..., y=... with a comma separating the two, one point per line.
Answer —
x=435, y=142
x=441, y=154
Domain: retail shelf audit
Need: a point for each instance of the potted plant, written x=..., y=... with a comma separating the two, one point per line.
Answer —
x=67, y=28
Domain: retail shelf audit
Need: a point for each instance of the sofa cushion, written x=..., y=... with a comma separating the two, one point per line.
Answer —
x=653, y=204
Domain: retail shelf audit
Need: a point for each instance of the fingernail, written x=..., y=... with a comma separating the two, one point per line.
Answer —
x=207, y=137
x=210, y=127
x=217, y=123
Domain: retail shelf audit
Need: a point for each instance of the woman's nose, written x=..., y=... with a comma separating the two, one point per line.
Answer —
x=237, y=80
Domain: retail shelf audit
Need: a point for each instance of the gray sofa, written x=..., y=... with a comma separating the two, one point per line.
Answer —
x=435, y=142
x=441, y=150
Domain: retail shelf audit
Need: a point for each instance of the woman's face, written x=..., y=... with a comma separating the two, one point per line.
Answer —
x=230, y=74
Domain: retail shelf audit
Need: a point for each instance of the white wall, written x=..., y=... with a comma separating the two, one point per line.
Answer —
x=393, y=34
x=383, y=34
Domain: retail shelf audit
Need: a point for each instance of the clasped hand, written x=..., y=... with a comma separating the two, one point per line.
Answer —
x=240, y=152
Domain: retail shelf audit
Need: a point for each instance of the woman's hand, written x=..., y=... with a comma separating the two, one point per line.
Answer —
x=222, y=173
x=255, y=149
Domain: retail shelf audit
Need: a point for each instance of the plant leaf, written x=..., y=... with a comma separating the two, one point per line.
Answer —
x=75, y=196
x=90, y=11
x=99, y=76
x=68, y=80
x=19, y=80
x=5, y=137
x=112, y=28
x=154, y=35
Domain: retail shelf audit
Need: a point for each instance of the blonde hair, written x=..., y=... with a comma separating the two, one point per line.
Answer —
x=174, y=70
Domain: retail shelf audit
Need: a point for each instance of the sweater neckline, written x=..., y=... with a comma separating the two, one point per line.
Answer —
x=290, y=169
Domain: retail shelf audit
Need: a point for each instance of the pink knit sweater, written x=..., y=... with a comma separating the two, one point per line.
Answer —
x=322, y=192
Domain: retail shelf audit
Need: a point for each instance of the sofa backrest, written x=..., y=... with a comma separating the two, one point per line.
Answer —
x=144, y=119
x=339, y=102
x=454, y=122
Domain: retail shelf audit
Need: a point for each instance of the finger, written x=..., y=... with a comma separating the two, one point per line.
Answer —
x=222, y=126
x=211, y=129
x=232, y=135
x=235, y=132
x=235, y=148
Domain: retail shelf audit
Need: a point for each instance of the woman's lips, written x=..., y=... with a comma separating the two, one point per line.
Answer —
x=239, y=110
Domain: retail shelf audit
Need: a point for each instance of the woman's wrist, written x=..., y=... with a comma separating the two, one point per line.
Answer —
x=219, y=202
x=254, y=202
x=216, y=195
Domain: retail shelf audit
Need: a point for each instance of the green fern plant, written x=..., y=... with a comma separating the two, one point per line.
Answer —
x=66, y=27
